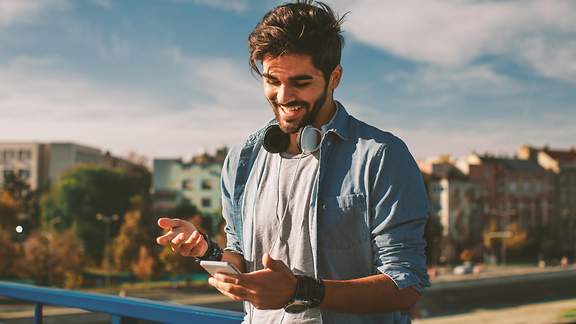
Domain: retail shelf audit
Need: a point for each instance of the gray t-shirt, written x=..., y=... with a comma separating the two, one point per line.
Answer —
x=281, y=224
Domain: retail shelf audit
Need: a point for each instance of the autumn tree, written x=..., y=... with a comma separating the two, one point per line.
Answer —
x=145, y=265
x=131, y=238
x=55, y=258
x=8, y=211
x=8, y=254
x=88, y=190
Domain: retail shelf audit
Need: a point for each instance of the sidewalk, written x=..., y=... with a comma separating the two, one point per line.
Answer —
x=541, y=313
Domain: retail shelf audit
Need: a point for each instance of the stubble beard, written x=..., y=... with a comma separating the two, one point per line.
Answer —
x=293, y=127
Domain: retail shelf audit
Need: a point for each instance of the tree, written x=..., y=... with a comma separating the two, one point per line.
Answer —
x=88, y=190
x=433, y=236
x=8, y=211
x=26, y=200
x=131, y=238
x=8, y=254
x=52, y=258
x=145, y=266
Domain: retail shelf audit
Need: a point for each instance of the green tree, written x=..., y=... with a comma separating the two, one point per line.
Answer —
x=88, y=190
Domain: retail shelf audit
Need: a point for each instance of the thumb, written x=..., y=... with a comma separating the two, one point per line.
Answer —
x=270, y=263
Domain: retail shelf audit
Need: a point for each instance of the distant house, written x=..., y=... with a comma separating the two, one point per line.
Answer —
x=454, y=199
x=562, y=164
x=40, y=164
x=196, y=181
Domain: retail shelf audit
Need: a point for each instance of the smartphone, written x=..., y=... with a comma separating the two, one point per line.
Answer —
x=214, y=267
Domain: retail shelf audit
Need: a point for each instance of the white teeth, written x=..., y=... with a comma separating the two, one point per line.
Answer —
x=290, y=108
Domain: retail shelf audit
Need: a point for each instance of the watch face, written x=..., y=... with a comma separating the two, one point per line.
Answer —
x=298, y=306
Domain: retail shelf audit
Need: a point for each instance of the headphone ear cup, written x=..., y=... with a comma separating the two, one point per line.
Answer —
x=275, y=140
x=309, y=139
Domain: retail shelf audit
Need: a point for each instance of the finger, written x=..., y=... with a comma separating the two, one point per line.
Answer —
x=274, y=265
x=176, y=242
x=168, y=223
x=224, y=292
x=232, y=289
x=267, y=261
x=198, y=247
x=166, y=238
x=228, y=278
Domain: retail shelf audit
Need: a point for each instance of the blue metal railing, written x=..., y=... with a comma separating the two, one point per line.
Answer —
x=122, y=309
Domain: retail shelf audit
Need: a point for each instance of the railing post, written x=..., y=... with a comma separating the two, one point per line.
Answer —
x=38, y=313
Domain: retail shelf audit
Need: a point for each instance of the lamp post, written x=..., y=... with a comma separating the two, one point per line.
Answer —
x=50, y=236
x=107, y=219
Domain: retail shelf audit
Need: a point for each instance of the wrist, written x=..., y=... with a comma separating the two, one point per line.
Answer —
x=213, y=251
x=309, y=293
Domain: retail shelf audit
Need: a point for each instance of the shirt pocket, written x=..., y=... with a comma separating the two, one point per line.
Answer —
x=342, y=222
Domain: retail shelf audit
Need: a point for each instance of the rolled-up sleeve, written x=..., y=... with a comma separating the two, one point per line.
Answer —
x=398, y=217
x=227, y=186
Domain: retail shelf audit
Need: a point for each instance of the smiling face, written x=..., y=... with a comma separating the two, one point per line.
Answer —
x=297, y=91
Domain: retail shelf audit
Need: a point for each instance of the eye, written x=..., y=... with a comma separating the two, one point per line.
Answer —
x=301, y=84
x=272, y=81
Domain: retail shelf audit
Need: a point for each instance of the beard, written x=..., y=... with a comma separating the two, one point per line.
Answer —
x=293, y=126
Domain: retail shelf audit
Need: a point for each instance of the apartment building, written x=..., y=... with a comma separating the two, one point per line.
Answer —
x=197, y=181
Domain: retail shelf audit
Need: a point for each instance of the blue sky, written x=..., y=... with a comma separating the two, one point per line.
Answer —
x=171, y=78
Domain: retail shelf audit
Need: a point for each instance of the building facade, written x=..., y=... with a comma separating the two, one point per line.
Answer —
x=176, y=182
x=454, y=199
x=562, y=164
x=28, y=161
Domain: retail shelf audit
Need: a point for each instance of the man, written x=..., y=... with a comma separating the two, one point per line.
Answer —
x=325, y=222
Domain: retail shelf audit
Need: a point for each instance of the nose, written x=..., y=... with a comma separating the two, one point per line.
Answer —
x=285, y=95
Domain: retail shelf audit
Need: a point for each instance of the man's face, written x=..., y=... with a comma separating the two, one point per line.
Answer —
x=295, y=88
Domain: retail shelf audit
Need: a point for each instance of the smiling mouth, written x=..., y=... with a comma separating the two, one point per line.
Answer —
x=291, y=109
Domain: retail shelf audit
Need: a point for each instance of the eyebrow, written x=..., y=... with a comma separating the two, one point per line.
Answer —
x=299, y=77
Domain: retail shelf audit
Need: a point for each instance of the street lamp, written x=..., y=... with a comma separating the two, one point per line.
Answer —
x=50, y=236
x=107, y=220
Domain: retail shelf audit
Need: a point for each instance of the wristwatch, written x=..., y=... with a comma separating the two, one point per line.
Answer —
x=309, y=294
x=213, y=253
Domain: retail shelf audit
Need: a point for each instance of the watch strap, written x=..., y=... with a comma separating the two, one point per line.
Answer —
x=214, y=252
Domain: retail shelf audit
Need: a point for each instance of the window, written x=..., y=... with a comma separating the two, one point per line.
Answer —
x=186, y=185
x=206, y=185
x=24, y=155
x=8, y=155
x=24, y=174
x=206, y=202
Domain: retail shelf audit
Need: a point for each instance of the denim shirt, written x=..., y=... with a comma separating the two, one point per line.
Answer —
x=369, y=208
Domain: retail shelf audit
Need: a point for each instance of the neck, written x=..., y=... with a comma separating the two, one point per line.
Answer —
x=324, y=115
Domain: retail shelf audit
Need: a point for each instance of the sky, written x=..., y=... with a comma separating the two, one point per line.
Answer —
x=170, y=78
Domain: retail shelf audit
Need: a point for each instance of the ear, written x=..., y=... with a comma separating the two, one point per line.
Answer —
x=335, y=77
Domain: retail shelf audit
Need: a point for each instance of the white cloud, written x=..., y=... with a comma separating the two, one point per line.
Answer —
x=456, y=32
x=432, y=78
x=12, y=11
x=232, y=5
x=39, y=101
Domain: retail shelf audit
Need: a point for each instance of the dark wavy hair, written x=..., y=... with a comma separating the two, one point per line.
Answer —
x=304, y=27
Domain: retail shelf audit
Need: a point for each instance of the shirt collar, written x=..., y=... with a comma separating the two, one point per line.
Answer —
x=339, y=122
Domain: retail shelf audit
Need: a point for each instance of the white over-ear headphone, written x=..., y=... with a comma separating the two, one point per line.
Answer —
x=276, y=141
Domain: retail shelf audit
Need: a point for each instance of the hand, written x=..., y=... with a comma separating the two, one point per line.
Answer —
x=269, y=288
x=183, y=237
